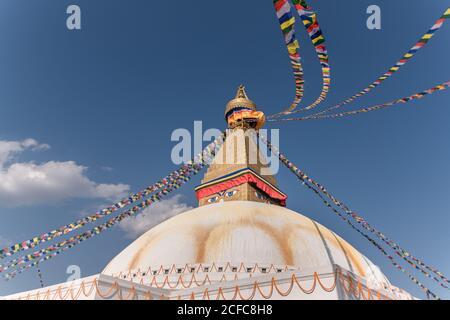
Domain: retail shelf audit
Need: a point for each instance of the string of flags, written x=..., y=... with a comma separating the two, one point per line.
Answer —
x=110, y=223
x=397, y=66
x=287, y=23
x=63, y=230
x=190, y=169
x=41, y=281
x=177, y=178
x=404, y=254
x=373, y=242
x=56, y=249
x=310, y=18
x=412, y=97
x=320, y=191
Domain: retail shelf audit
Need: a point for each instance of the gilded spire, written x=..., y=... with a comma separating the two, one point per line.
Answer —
x=239, y=170
x=240, y=101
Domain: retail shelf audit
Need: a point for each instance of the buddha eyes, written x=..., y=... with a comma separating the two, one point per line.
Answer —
x=226, y=194
x=213, y=199
x=230, y=193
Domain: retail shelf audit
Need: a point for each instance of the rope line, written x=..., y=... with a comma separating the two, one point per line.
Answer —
x=412, y=97
x=287, y=24
x=354, y=287
x=396, y=67
x=317, y=189
x=63, y=230
x=309, y=19
x=403, y=253
x=41, y=282
x=53, y=250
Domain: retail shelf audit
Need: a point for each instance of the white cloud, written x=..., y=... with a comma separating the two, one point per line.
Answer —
x=29, y=183
x=153, y=215
x=8, y=149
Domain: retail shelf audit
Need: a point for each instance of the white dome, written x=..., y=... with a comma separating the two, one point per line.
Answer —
x=243, y=232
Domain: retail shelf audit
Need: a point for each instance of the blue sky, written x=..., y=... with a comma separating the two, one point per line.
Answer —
x=94, y=110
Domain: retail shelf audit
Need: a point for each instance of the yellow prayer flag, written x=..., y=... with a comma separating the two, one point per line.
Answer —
x=288, y=23
x=318, y=39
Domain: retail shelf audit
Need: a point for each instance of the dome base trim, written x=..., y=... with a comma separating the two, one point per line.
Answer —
x=335, y=284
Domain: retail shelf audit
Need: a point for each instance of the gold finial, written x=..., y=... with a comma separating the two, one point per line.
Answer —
x=241, y=92
x=241, y=100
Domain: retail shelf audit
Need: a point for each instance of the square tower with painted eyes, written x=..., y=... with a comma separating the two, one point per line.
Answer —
x=240, y=171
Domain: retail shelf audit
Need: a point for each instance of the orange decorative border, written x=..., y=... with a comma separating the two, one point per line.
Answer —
x=350, y=285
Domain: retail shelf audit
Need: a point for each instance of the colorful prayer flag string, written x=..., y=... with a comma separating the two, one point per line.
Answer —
x=54, y=250
x=41, y=281
x=412, y=97
x=404, y=60
x=45, y=254
x=287, y=24
x=399, y=250
x=63, y=230
x=173, y=185
x=309, y=19
x=311, y=184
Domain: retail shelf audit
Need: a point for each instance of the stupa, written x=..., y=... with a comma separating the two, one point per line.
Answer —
x=240, y=243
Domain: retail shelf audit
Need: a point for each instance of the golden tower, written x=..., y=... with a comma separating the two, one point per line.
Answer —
x=240, y=171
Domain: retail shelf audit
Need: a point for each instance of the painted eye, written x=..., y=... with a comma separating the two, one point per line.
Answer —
x=230, y=193
x=213, y=199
